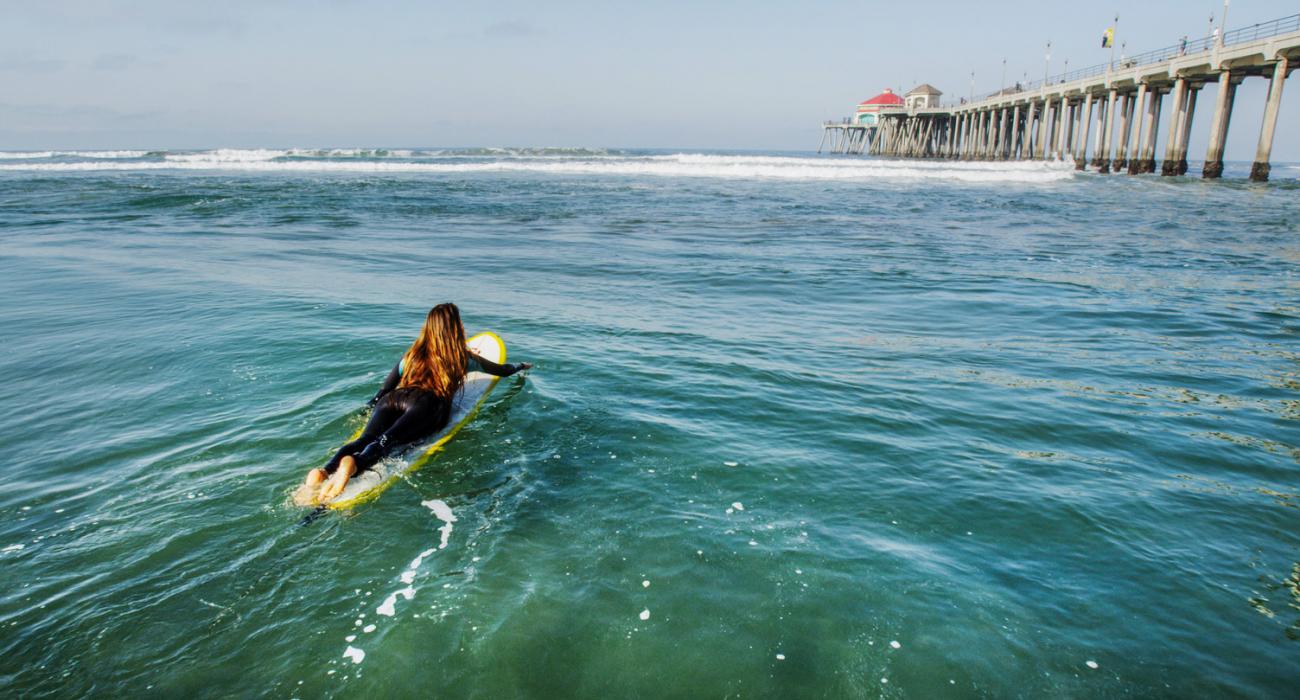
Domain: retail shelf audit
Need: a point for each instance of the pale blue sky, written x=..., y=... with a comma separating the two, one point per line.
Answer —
x=752, y=75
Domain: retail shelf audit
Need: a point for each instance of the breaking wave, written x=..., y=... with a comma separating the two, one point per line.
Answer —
x=34, y=155
x=556, y=161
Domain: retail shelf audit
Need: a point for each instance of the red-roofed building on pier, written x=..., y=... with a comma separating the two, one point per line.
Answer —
x=869, y=111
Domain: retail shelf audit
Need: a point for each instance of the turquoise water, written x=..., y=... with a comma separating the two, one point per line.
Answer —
x=799, y=427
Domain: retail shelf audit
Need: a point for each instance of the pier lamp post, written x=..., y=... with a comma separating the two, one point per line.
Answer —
x=972, y=86
x=1115, y=27
x=1004, y=74
x=1223, y=24
x=1047, y=63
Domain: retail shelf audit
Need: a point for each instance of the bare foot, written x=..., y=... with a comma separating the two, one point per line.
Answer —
x=339, y=481
x=306, y=494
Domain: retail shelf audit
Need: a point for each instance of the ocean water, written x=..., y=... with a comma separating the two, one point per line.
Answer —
x=799, y=426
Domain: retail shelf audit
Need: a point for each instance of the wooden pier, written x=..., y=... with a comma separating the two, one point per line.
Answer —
x=1105, y=116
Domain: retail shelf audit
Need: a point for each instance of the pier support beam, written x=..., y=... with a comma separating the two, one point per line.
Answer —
x=1004, y=117
x=990, y=134
x=1062, y=116
x=1081, y=158
x=1071, y=130
x=1026, y=132
x=959, y=139
x=1105, y=133
x=1219, y=125
x=1040, y=143
x=995, y=134
x=1146, y=135
x=1185, y=132
x=1259, y=170
x=1140, y=118
x=986, y=125
x=1157, y=102
x=1045, y=129
x=1014, y=143
x=1169, y=164
x=1074, y=129
x=972, y=127
x=1009, y=133
x=972, y=144
x=1126, y=128
x=972, y=137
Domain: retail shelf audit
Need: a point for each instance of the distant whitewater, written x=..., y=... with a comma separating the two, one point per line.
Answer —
x=562, y=161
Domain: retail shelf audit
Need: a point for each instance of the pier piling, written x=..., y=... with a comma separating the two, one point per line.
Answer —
x=1105, y=132
x=1014, y=144
x=1169, y=164
x=1081, y=156
x=1185, y=128
x=1062, y=116
x=1134, y=153
x=1040, y=140
x=1219, y=125
x=1260, y=169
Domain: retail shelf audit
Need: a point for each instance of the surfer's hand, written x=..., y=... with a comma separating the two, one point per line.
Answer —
x=523, y=366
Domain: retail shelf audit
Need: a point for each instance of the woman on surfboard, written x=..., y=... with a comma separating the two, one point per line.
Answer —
x=414, y=402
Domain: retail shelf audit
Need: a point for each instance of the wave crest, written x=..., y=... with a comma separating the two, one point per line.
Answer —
x=35, y=155
x=570, y=162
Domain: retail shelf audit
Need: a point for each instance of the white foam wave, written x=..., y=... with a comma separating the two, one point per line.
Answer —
x=26, y=155
x=32, y=155
x=228, y=155
x=678, y=165
x=549, y=152
x=353, y=153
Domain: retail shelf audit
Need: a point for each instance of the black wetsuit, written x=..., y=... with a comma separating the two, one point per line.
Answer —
x=404, y=416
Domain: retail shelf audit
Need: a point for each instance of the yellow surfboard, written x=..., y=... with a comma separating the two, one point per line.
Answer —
x=367, y=485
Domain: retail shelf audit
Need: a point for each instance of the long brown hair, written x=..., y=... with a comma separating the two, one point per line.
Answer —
x=436, y=360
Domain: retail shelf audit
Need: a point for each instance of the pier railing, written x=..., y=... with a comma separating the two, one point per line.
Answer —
x=1254, y=32
x=1262, y=30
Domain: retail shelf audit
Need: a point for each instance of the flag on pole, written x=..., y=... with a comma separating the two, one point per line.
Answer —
x=1108, y=38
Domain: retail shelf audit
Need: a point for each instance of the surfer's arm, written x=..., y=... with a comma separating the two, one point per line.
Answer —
x=390, y=383
x=497, y=370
